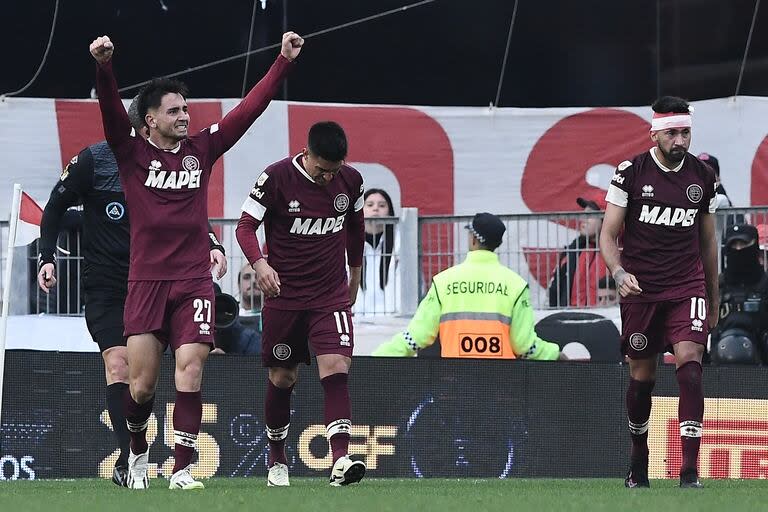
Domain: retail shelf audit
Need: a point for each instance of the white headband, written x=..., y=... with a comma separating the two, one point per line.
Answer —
x=665, y=121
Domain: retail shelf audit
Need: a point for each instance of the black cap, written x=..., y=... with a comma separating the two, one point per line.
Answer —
x=488, y=229
x=710, y=161
x=743, y=232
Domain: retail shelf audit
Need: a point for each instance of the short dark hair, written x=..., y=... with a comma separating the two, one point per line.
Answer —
x=133, y=114
x=670, y=105
x=151, y=96
x=328, y=141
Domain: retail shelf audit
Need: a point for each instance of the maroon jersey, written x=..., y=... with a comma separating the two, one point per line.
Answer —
x=661, y=226
x=167, y=190
x=309, y=231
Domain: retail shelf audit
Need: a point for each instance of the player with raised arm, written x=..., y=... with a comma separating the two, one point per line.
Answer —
x=311, y=206
x=666, y=275
x=170, y=293
x=90, y=179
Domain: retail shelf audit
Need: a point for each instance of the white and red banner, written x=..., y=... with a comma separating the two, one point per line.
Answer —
x=443, y=160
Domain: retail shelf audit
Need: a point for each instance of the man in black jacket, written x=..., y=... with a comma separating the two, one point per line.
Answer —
x=743, y=300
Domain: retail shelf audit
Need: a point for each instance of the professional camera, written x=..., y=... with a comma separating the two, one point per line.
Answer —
x=227, y=310
x=735, y=346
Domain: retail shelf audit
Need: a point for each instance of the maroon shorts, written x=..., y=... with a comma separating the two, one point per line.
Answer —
x=287, y=335
x=650, y=328
x=177, y=312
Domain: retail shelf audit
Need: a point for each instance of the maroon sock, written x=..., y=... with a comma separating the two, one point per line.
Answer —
x=690, y=412
x=137, y=418
x=338, y=413
x=187, y=415
x=638, y=414
x=277, y=414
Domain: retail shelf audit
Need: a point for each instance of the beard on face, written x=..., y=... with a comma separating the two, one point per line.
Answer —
x=676, y=154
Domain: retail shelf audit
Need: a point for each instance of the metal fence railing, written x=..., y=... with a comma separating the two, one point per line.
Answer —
x=556, y=253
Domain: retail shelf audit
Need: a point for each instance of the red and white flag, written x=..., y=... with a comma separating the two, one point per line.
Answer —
x=30, y=217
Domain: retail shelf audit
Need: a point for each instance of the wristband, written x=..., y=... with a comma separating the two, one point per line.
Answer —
x=46, y=256
x=215, y=244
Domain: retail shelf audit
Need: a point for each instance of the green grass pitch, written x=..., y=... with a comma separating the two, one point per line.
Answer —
x=422, y=495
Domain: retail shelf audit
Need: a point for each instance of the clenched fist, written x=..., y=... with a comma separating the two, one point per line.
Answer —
x=102, y=49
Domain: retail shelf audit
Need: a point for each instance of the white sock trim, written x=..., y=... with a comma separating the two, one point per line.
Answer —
x=184, y=438
x=638, y=428
x=137, y=427
x=340, y=426
x=690, y=428
x=278, y=434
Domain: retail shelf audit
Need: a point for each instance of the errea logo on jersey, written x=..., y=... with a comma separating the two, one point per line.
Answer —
x=317, y=226
x=173, y=179
x=668, y=216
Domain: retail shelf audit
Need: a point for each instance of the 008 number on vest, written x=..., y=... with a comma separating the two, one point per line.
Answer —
x=479, y=345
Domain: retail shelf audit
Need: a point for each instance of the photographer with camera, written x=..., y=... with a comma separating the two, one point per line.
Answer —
x=741, y=335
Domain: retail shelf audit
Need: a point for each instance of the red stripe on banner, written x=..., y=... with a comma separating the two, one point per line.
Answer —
x=759, y=185
x=79, y=124
x=556, y=171
x=29, y=210
x=406, y=141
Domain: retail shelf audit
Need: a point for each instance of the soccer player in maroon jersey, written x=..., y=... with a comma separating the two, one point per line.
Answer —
x=170, y=292
x=311, y=206
x=666, y=275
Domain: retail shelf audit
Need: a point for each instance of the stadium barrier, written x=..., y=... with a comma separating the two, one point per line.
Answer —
x=411, y=418
x=535, y=246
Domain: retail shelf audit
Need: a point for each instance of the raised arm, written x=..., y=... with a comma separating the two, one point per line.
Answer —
x=117, y=126
x=239, y=119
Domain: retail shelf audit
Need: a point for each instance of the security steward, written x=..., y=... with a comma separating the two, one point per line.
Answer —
x=479, y=308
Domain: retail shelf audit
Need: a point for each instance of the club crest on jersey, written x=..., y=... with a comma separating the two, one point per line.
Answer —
x=115, y=210
x=262, y=179
x=341, y=203
x=281, y=351
x=638, y=341
x=190, y=163
x=694, y=193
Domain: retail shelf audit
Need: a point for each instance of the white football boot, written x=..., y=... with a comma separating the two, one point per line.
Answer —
x=347, y=471
x=278, y=475
x=182, y=479
x=137, y=470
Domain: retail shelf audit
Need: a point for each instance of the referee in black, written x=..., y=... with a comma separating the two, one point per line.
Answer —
x=91, y=180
